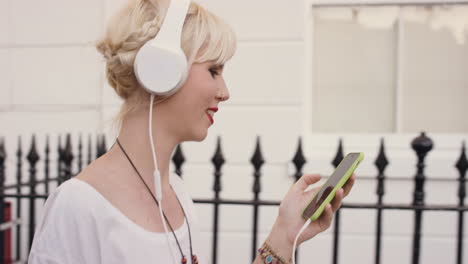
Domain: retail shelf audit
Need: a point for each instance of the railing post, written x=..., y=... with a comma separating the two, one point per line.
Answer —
x=89, y=149
x=421, y=145
x=298, y=161
x=68, y=158
x=336, y=231
x=19, y=166
x=2, y=200
x=101, y=146
x=218, y=161
x=178, y=159
x=257, y=161
x=33, y=158
x=381, y=162
x=46, y=165
x=80, y=154
x=60, y=158
x=462, y=166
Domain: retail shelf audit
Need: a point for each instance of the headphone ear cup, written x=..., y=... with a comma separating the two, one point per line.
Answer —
x=160, y=69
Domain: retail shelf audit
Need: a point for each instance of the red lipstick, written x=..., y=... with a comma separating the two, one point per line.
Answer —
x=214, y=109
x=211, y=119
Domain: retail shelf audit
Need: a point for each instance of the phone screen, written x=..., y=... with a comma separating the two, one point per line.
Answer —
x=332, y=181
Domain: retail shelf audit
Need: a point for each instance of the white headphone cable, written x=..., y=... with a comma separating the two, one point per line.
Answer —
x=306, y=224
x=157, y=179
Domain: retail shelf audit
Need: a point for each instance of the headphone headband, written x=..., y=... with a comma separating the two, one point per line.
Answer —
x=171, y=28
x=161, y=65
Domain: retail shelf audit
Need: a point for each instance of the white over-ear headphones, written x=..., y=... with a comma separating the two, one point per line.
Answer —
x=161, y=65
x=161, y=69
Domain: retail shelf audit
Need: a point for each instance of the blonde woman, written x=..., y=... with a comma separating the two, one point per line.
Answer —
x=108, y=213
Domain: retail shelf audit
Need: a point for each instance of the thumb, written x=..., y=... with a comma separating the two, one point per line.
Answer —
x=305, y=181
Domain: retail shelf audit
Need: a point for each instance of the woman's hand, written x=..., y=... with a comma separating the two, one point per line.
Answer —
x=290, y=220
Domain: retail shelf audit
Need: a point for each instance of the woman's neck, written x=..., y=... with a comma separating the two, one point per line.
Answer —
x=134, y=138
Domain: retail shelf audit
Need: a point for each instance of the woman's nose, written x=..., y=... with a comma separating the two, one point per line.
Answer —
x=223, y=95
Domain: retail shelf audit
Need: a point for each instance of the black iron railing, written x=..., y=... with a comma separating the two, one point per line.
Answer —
x=13, y=193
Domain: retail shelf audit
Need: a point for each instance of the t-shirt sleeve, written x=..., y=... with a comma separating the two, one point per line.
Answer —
x=67, y=231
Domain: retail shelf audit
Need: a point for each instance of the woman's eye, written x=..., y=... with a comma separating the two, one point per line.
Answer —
x=213, y=72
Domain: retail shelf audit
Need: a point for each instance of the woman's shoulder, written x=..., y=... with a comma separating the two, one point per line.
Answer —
x=69, y=200
x=67, y=194
x=80, y=190
x=75, y=194
x=68, y=218
x=74, y=198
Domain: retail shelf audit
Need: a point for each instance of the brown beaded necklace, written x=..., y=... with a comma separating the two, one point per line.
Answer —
x=184, y=259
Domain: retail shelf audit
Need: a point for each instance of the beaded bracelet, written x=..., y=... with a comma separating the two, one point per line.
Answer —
x=269, y=255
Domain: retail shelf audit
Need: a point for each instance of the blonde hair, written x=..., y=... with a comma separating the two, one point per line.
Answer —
x=205, y=37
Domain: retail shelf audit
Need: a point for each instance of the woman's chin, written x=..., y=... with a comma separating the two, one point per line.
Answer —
x=203, y=137
x=200, y=136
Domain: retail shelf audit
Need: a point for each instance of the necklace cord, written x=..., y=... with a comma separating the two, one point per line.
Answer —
x=156, y=201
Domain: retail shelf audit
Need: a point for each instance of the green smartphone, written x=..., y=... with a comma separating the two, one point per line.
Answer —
x=339, y=177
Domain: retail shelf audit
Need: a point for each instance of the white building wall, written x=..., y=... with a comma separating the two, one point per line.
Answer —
x=52, y=81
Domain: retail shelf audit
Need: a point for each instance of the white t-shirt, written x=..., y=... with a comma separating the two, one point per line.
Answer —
x=80, y=226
